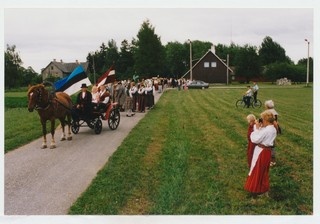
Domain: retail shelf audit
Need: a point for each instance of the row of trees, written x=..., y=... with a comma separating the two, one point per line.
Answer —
x=15, y=74
x=146, y=57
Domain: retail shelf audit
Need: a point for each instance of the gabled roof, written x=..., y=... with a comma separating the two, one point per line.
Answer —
x=68, y=67
x=209, y=51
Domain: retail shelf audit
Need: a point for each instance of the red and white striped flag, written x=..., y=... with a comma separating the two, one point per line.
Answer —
x=108, y=77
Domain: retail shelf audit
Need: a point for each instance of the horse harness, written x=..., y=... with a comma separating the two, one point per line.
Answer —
x=52, y=100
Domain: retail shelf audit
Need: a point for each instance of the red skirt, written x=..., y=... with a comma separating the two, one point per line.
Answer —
x=258, y=181
x=250, y=150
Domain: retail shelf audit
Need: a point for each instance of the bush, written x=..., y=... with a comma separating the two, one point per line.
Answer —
x=296, y=73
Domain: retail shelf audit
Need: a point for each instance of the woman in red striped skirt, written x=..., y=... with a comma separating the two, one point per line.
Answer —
x=263, y=136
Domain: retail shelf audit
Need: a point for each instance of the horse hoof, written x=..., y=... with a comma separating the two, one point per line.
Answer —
x=69, y=138
x=63, y=139
x=44, y=146
x=52, y=146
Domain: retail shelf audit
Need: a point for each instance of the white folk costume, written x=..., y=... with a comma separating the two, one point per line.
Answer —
x=149, y=91
x=258, y=177
x=135, y=96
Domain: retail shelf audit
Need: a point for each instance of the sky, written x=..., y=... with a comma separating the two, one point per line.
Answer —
x=70, y=29
x=69, y=34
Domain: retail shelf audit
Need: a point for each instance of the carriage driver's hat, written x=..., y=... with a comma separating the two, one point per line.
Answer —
x=84, y=85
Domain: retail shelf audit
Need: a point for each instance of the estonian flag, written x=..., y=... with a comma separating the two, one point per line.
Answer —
x=72, y=83
x=108, y=77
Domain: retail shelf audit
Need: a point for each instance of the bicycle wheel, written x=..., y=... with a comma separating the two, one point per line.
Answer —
x=240, y=103
x=256, y=104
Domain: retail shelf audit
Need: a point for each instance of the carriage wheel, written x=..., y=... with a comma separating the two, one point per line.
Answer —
x=75, y=127
x=114, y=119
x=98, y=126
x=91, y=123
x=240, y=103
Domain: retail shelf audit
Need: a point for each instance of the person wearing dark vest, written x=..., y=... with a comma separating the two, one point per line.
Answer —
x=142, y=102
x=149, y=91
x=83, y=105
x=104, y=99
x=135, y=96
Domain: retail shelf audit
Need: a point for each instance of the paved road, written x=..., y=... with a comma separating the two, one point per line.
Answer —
x=48, y=181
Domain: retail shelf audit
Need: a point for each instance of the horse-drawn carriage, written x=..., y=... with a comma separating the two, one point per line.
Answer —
x=95, y=117
x=58, y=105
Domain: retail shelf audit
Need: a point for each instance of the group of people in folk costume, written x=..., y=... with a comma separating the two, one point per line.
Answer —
x=129, y=96
x=139, y=97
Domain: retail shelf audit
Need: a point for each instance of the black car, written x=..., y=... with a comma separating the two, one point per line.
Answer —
x=198, y=84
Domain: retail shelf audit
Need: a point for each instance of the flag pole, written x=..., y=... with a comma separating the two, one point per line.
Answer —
x=94, y=70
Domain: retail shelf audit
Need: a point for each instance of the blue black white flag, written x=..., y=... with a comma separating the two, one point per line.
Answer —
x=72, y=83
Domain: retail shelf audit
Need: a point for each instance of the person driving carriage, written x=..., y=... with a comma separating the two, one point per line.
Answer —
x=83, y=105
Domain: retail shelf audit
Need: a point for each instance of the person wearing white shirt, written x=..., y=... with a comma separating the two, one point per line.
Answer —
x=142, y=102
x=135, y=96
x=263, y=136
x=247, y=96
x=149, y=91
x=255, y=89
x=104, y=98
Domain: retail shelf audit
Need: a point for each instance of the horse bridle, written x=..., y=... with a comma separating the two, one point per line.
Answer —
x=38, y=101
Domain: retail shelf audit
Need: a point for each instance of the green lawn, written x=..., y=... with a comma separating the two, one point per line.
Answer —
x=188, y=156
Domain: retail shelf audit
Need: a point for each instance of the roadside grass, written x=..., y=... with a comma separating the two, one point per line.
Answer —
x=188, y=156
x=21, y=126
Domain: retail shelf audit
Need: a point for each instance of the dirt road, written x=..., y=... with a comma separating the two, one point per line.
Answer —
x=48, y=181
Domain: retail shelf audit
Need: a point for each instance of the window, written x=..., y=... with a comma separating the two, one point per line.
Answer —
x=210, y=64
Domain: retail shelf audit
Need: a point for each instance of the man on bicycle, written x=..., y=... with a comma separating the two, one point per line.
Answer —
x=247, y=96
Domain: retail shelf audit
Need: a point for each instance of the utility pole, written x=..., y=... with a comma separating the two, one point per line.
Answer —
x=307, y=82
x=190, y=59
x=227, y=69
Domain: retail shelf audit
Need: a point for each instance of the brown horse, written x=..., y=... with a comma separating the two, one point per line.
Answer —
x=50, y=107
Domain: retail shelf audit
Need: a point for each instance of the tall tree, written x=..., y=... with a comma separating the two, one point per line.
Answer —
x=223, y=50
x=271, y=52
x=125, y=63
x=29, y=76
x=101, y=60
x=149, y=53
x=303, y=63
x=177, y=58
x=247, y=63
x=12, y=67
x=112, y=54
x=199, y=48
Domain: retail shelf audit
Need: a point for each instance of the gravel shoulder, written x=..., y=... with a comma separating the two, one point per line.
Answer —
x=48, y=181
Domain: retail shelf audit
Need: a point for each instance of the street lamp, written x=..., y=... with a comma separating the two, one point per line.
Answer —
x=190, y=59
x=307, y=82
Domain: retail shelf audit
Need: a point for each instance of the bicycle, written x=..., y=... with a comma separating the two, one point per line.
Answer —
x=241, y=103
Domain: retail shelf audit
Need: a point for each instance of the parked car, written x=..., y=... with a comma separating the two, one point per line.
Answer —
x=198, y=84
